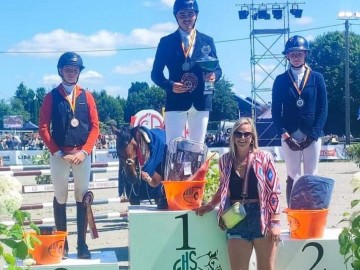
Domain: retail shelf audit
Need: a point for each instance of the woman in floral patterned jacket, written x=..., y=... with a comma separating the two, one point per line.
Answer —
x=260, y=229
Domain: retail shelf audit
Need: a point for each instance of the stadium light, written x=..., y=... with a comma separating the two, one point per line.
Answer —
x=277, y=12
x=296, y=11
x=243, y=13
x=262, y=13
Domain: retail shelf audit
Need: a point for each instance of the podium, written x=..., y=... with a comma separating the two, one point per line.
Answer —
x=180, y=240
x=105, y=260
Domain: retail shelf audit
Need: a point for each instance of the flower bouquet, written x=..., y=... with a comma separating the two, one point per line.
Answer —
x=14, y=243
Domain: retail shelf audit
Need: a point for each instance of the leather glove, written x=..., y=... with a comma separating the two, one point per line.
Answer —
x=306, y=143
x=293, y=144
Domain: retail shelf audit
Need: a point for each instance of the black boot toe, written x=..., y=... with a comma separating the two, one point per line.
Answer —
x=83, y=252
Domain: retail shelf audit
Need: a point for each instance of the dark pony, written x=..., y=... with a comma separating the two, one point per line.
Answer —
x=138, y=149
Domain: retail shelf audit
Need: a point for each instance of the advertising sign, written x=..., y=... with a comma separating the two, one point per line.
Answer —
x=13, y=121
x=148, y=118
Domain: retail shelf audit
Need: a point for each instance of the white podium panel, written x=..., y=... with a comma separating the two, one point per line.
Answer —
x=105, y=260
x=177, y=240
x=311, y=254
x=180, y=240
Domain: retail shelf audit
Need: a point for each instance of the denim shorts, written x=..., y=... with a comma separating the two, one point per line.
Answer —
x=249, y=228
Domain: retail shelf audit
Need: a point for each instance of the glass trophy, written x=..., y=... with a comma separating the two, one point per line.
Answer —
x=207, y=64
x=183, y=159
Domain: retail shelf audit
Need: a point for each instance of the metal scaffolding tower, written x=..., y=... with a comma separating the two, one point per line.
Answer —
x=266, y=46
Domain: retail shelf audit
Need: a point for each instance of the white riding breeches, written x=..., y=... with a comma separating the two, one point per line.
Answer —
x=309, y=156
x=60, y=171
x=197, y=121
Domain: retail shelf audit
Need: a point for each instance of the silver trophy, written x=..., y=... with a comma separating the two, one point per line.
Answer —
x=207, y=64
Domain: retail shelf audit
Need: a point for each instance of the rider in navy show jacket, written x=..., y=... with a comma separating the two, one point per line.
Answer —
x=188, y=101
x=311, y=117
x=173, y=60
x=299, y=111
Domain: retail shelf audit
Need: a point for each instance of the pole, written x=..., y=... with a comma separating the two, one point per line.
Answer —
x=347, y=84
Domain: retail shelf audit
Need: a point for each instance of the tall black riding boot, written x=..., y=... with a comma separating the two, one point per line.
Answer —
x=162, y=201
x=82, y=249
x=289, y=186
x=60, y=223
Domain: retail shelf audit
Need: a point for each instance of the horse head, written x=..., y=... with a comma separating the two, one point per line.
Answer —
x=126, y=151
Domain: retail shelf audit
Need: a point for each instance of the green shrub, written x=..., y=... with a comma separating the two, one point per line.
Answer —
x=353, y=151
x=42, y=159
x=213, y=178
x=349, y=238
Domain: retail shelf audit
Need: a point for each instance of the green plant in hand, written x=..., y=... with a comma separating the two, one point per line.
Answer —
x=43, y=159
x=349, y=238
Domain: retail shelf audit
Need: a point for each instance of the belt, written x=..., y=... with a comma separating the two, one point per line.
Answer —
x=246, y=201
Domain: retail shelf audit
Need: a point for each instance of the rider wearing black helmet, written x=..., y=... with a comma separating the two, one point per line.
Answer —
x=299, y=111
x=186, y=98
x=69, y=127
x=69, y=59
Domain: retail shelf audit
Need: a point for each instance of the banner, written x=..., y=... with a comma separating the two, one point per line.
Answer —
x=13, y=121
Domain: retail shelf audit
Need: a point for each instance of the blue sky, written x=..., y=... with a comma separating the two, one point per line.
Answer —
x=117, y=38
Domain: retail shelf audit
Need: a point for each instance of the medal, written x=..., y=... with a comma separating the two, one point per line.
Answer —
x=190, y=80
x=186, y=66
x=74, y=122
x=300, y=102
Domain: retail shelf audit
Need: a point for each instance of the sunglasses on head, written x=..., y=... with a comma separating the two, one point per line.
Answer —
x=239, y=134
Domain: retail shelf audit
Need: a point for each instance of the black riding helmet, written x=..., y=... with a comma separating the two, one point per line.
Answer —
x=70, y=59
x=296, y=43
x=185, y=4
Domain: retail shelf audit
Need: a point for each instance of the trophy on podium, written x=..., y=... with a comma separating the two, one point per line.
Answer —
x=207, y=64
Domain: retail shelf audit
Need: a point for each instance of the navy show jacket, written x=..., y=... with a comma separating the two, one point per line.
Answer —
x=170, y=54
x=310, y=119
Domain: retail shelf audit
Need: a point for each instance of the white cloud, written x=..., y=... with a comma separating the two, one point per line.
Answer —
x=60, y=40
x=245, y=76
x=51, y=80
x=101, y=43
x=90, y=75
x=135, y=67
x=168, y=3
x=152, y=35
x=116, y=91
x=303, y=21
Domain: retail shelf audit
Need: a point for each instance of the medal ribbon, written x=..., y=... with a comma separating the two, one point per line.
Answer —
x=88, y=200
x=71, y=101
x=191, y=43
x=303, y=82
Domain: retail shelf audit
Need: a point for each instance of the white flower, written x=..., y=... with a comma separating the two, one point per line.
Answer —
x=355, y=180
x=29, y=262
x=10, y=196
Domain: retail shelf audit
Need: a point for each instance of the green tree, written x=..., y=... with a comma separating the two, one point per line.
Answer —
x=224, y=103
x=109, y=107
x=328, y=57
x=143, y=97
x=17, y=108
x=5, y=109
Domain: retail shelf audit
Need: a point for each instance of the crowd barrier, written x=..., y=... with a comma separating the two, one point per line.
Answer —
x=36, y=206
x=43, y=221
x=24, y=157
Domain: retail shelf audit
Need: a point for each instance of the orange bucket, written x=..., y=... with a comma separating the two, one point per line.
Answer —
x=50, y=251
x=184, y=195
x=306, y=224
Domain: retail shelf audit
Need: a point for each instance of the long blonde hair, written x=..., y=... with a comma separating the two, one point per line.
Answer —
x=254, y=143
